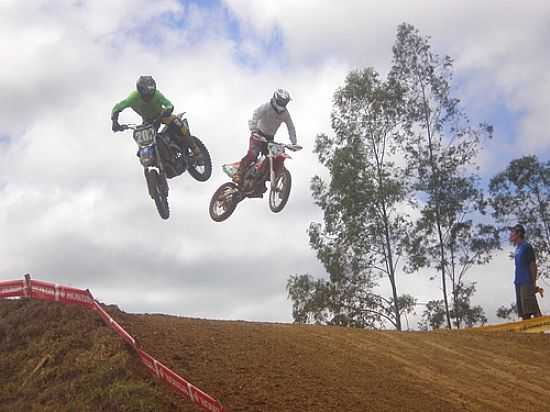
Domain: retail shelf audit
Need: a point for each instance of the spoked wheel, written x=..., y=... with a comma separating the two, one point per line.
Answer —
x=280, y=191
x=200, y=167
x=223, y=202
x=158, y=190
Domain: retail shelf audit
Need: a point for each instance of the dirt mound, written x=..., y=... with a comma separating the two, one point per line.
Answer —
x=82, y=364
x=264, y=367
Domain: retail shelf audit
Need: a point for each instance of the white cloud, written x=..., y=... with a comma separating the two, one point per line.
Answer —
x=500, y=47
x=73, y=203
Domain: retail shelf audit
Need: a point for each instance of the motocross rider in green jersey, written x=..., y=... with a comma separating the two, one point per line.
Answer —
x=152, y=106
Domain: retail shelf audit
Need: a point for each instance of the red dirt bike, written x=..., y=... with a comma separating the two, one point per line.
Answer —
x=269, y=167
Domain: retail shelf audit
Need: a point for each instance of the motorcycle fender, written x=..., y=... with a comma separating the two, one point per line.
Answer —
x=147, y=156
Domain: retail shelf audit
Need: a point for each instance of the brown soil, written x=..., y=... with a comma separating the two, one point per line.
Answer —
x=282, y=367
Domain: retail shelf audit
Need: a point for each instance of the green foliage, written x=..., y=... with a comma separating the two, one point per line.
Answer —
x=506, y=312
x=433, y=316
x=400, y=146
x=521, y=194
x=349, y=302
x=462, y=312
x=440, y=148
x=364, y=222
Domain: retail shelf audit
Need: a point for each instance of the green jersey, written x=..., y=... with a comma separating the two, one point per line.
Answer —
x=147, y=110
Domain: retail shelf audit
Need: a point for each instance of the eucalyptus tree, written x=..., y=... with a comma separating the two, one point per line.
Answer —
x=441, y=149
x=364, y=204
x=521, y=194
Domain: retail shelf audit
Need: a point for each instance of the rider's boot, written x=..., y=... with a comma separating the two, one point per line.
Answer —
x=189, y=141
x=183, y=137
x=237, y=177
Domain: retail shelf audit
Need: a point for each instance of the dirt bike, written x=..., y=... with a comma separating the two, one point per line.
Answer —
x=269, y=167
x=162, y=158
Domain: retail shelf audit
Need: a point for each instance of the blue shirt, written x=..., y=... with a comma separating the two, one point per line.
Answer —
x=524, y=256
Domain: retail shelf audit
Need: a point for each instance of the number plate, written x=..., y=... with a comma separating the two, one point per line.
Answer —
x=276, y=149
x=145, y=136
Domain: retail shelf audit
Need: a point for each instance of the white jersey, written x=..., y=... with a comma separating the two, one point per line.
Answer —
x=267, y=121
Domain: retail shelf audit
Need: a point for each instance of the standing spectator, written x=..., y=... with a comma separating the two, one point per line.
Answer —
x=526, y=274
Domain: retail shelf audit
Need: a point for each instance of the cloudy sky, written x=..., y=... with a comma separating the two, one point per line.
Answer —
x=73, y=202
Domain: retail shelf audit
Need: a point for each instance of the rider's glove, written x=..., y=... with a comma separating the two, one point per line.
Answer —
x=167, y=112
x=116, y=126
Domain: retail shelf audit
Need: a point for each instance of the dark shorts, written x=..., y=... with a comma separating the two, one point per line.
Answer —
x=526, y=300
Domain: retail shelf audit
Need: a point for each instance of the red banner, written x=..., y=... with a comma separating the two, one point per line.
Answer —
x=51, y=292
x=185, y=388
x=12, y=288
x=114, y=325
x=43, y=290
x=205, y=401
x=75, y=296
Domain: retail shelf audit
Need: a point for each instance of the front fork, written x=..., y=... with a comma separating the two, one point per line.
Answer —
x=271, y=172
x=156, y=185
x=163, y=184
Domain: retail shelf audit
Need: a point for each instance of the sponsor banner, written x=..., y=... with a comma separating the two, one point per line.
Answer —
x=205, y=401
x=74, y=296
x=114, y=325
x=176, y=382
x=148, y=361
x=52, y=292
x=43, y=290
x=12, y=288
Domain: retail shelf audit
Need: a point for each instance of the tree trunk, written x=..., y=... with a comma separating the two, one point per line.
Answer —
x=435, y=188
x=389, y=258
x=391, y=272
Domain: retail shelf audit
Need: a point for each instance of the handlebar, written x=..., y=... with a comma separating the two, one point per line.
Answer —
x=128, y=126
x=260, y=138
x=293, y=147
x=133, y=126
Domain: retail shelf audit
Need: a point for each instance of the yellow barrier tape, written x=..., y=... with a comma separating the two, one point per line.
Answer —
x=534, y=325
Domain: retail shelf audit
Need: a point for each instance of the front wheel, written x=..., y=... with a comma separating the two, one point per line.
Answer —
x=223, y=202
x=280, y=191
x=200, y=167
x=158, y=191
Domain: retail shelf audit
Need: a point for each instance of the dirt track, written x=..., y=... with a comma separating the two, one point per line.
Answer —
x=279, y=367
x=273, y=367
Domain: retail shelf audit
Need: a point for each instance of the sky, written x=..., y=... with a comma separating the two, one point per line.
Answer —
x=73, y=203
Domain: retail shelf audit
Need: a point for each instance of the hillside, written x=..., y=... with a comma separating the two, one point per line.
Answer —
x=262, y=367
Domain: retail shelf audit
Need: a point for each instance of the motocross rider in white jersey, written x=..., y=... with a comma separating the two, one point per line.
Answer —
x=265, y=122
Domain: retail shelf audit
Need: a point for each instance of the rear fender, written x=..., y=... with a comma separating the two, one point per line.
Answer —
x=181, y=116
x=231, y=168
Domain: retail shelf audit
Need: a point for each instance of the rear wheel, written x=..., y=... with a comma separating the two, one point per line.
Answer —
x=200, y=167
x=158, y=191
x=280, y=191
x=223, y=202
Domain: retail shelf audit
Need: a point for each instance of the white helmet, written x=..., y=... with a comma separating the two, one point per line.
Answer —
x=280, y=99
